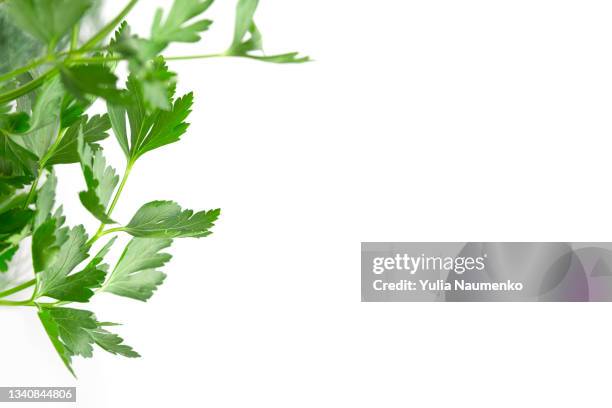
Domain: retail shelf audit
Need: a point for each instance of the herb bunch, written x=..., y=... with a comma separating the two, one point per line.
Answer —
x=49, y=78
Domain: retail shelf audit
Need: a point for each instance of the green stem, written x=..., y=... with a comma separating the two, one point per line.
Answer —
x=100, y=232
x=17, y=288
x=36, y=83
x=32, y=191
x=128, y=170
x=96, y=236
x=112, y=231
x=94, y=60
x=17, y=303
x=108, y=28
x=103, y=60
x=27, y=88
x=74, y=39
x=192, y=57
x=52, y=149
x=44, y=60
x=24, y=69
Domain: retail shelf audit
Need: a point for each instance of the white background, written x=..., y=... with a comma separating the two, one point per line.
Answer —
x=420, y=120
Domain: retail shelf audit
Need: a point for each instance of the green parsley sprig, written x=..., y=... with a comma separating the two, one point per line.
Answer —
x=49, y=78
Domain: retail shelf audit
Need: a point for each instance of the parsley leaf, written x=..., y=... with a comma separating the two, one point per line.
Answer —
x=101, y=181
x=73, y=326
x=245, y=10
x=48, y=236
x=45, y=120
x=247, y=37
x=176, y=26
x=72, y=110
x=142, y=53
x=57, y=250
x=110, y=342
x=47, y=318
x=73, y=333
x=93, y=129
x=73, y=250
x=15, y=226
x=166, y=219
x=14, y=122
x=45, y=200
x=47, y=20
x=78, y=287
x=46, y=243
x=148, y=131
x=6, y=254
x=86, y=80
x=16, y=161
x=14, y=219
x=155, y=80
x=167, y=127
x=11, y=237
x=10, y=198
x=18, y=48
x=135, y=275
x=158, y=85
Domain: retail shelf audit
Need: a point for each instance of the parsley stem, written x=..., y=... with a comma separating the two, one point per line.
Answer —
x=43, y=60
x=74, y=39
x=18, y=288
x=52, y=149
x=32, y=191
x=200, y=56
x=108, y=28
x=95, y=237
x=111, y=231
x=128, y=170
x=100, y=232
x=35, y=83
x=104, y=60
x=28, y=87
x=17, y=303
x=94, y=60
x=24, y=69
